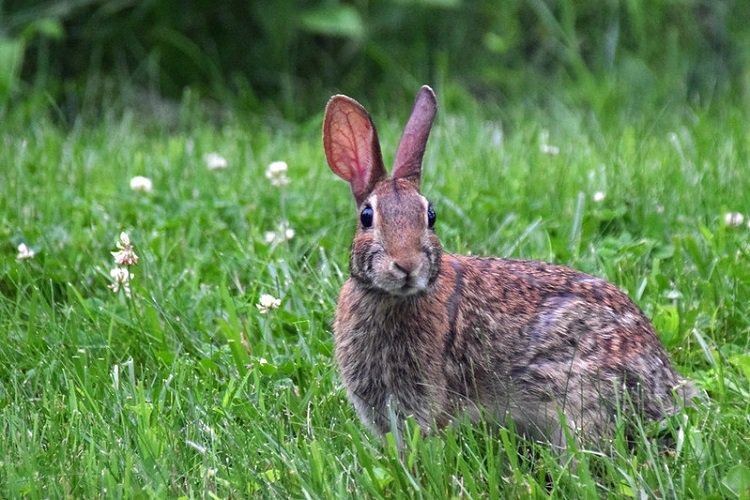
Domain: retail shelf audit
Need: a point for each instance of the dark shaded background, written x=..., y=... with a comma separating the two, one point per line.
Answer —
x=286, y=54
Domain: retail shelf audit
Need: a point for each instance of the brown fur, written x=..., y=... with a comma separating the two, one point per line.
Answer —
x=423, y=334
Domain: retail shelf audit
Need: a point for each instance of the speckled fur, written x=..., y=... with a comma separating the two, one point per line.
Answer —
x=484, y=336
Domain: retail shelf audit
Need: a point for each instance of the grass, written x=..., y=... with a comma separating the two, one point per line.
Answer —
x=186, y=389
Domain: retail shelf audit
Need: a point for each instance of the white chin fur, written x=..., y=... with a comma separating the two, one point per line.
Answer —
x=399, y=288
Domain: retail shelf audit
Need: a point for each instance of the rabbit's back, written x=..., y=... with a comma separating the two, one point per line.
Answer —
x=557, y=341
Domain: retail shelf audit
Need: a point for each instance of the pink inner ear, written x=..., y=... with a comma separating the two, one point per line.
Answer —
x=351, y=145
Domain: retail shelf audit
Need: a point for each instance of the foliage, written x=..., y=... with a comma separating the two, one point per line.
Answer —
x=187, y=389
x=292, y=53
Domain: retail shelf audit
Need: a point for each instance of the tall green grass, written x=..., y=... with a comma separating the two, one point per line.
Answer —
x=187, y=389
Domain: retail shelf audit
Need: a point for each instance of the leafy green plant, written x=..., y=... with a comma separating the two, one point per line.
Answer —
x=293, y=53
x=13, y=48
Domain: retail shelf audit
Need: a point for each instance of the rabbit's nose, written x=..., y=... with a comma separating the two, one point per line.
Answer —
x=406, y=266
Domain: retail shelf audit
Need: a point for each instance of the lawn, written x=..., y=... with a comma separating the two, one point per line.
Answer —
x=190, y=387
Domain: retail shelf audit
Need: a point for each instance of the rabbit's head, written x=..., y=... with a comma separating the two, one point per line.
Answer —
x=395, y=249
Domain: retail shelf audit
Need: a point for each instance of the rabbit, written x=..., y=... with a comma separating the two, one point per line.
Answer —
x=434, y=336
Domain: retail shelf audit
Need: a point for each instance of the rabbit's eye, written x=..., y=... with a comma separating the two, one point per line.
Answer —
x=366, y=217
x=431, y=216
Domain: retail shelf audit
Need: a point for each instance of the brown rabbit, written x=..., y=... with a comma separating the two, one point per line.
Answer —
x=433, y=335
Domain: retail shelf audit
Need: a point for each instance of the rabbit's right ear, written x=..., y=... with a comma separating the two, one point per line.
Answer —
x=351, y=145
x=408, y=164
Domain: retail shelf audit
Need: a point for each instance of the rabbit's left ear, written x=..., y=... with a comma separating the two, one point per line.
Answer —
x=408, y=164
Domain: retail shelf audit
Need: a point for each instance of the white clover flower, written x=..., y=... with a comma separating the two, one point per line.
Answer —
x=120, y=278
x=214, y=161
x=24, y=252
x=283, y=233
x=125, y=256
x=142, y=184
x=286, y=231
x=276, y=173
x=599, y=196
x=734, y=219
x=267, y=302
x=276, y=168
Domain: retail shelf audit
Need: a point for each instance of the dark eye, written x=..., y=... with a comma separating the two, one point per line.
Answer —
x=431, y=216
x=366, y=217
